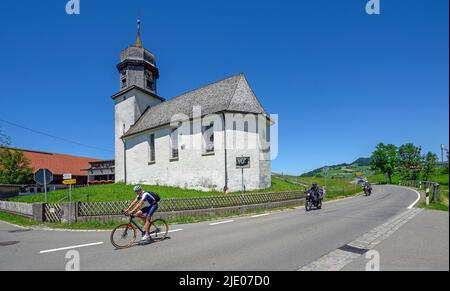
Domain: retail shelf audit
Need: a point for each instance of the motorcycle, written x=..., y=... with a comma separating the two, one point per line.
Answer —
x=312, y=200
x=367, y=190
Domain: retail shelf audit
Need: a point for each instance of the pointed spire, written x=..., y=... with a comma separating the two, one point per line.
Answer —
x=138, y=37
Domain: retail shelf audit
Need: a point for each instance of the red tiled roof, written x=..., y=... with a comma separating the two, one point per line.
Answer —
x=58, y=164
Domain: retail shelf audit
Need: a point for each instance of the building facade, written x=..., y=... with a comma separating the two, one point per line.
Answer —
x=101, y=172
x=213, y=138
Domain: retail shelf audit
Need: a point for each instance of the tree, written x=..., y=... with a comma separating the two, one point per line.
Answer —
x=14, y=167
x=385, y=159
x=445, y=168
x=410, y=160
x=429, y=164
x=4, y=139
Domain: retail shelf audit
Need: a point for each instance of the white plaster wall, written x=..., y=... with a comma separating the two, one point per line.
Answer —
x=193, y=170
x=127, y=110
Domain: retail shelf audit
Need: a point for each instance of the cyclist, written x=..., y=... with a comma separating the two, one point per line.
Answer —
x=145, y=204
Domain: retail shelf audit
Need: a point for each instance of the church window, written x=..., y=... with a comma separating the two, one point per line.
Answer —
x=123, y=79
x=151, y=149
x=208, y=138
x=149, y=79
x=174, y=143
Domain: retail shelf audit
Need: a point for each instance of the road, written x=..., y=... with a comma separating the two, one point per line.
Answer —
x=286, y=240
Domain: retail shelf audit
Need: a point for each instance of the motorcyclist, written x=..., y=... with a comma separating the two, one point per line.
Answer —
x=315, y=191
x=367, y=187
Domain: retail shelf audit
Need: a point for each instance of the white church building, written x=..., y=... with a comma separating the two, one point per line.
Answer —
x=213, y=138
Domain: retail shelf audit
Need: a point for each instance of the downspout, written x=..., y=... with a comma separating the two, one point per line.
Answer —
x=225, y=189
x=124, y=161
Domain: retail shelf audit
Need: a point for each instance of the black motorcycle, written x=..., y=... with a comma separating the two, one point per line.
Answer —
x=313, y=200
x=367, y=190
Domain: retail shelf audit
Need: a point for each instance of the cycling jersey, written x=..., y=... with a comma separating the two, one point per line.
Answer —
x=148, y=199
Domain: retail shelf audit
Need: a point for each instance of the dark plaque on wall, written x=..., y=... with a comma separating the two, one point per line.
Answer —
x=243, y=162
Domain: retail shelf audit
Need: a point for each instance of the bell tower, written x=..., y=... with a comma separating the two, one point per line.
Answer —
x=138, y=66
x=137, y=92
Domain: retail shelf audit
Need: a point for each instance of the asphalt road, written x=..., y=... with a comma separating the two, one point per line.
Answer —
x=283, y=240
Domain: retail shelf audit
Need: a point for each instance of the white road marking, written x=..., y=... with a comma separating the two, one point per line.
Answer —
x=174, y=230
x=222, y=222
x=338, y=259
x=71, y=247
x=417, y=200
x=260, y=215
x=417, y=192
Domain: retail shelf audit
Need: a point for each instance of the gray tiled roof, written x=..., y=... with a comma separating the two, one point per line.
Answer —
x=232, y=94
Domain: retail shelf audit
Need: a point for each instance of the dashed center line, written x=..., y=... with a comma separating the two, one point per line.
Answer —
x=71, y=247
x=221, y=222
x=174, y=230
x=260, y=215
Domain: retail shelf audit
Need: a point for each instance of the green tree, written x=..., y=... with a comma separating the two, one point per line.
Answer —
x=410, y=161
x=429, y=165
x=445, y=169
x=385, y=159
x=4, y=139
x=14, y=167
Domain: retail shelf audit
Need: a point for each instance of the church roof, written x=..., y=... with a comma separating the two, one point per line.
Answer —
x=229, y=95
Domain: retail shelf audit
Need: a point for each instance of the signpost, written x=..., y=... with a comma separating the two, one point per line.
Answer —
x=67, y=176
x=325, y=175
x=69, y=181
x=43, y=177
x=243, y=163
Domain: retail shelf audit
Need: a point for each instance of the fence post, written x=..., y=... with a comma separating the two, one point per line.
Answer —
x=38, y=212
x=436, y=190
x=69, y=212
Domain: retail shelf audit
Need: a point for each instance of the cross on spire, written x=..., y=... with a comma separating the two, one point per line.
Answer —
x=138, y=37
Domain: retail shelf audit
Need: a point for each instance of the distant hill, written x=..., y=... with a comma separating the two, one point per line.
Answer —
x=362, y=162
x=343, y=170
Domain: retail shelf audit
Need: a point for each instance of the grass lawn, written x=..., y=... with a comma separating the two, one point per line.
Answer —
x=17, y=219
x=336, y=188
x=381, y=179
x=443, y=202
x=122, y=192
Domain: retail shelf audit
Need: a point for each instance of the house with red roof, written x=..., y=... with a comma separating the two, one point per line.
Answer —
x=59, y=164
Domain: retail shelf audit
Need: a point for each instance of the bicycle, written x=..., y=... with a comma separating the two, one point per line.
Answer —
x=124, y=235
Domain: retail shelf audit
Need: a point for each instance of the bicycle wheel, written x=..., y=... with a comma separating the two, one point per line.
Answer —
x=158, y=230
x=123, y=236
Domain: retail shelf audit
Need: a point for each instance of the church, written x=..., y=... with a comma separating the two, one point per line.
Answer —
x=215, y=138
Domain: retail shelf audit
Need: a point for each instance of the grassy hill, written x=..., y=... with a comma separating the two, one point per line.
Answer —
x=335, y=187
x=344, y=171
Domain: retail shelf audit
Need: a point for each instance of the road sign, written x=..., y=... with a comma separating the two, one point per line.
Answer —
x=70, y=182
x=67, y=176
x=43, y=176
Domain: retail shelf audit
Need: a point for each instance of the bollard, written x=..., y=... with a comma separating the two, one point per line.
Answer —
x=427, y=196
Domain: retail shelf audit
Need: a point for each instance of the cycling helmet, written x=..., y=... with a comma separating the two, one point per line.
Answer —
x=137, y=188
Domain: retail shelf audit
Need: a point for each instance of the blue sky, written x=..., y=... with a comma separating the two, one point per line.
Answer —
x=340, y=80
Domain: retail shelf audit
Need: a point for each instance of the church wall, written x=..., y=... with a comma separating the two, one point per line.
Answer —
x=192, y=170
